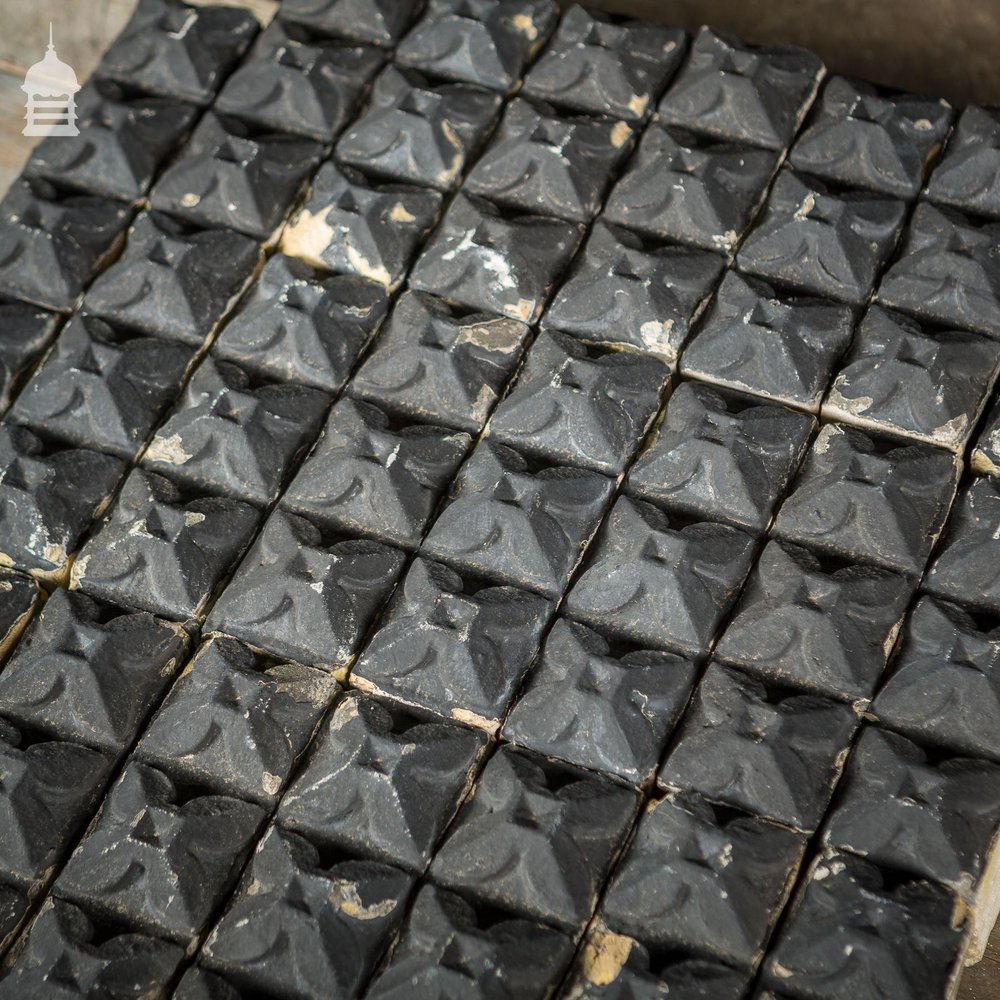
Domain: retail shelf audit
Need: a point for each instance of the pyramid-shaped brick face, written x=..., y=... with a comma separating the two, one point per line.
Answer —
x=710, y=193
x=593, y=65
x=417, y=131
x=859, y=137
x=907, y=378
x=148, y=830
x=125, y=142
x=296, y=82
x=627, y=291
x=966, y=176
x=177, y=51
x=551, y=165
x=89, y=672
x=262, y=713
x=486, y=42
x=821, y=241
x=175, y=281
x=946, y=273
x=400, y=780
x=351, y=225
x=497, y=501
x=371, y=478
x=103, y=387
x=733, y=873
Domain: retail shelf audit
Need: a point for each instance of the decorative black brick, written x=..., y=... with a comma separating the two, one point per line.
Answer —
x=616, y=967
x=237, y=721
x=307, y=594
x=947, y=271
x=450, y=947
x=488, y=42
x=177, y=51
x=944, y=687
x=48, y=791
x=381, y=782
x=692, y=189
x=299, y=325
x=455, y=645
x=665, y=288
x=771, y=751
x=773, y=344
x=163, y=549
x=948, y=805
x=750, y=94
x=378, y=22
x=233, y=176
x=868, y=138
x=13, y=907
x=822, y=241
x=303, y=924
x=302, y=557
x=123, y=141
x=902, y=378
x=25, y=332
x=417, y=131
x=69, y=952
x=550, y=164
x=870, y=499
x=537, y=838
x=441, y=364
x=721, y=456
x=617, y=703
x=857, y=931
x=234, y=435
x=602, y=66
x=102, y=387
x=517, y=522
x=967, y=566
x=199, y=984
x=704, y=880
x=49, y=496
x=52, y=243
x=173, y=280
x=160, y=856
x=90, y=673
x=293, y=81
x=966, y=176
x=351, y=225
x=496, y=261
x=816, y=623
x=660, y=579
x=580, y=404
x=372, y=477
x=19, y=599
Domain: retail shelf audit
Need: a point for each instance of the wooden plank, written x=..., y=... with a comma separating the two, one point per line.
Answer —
x=81, y=31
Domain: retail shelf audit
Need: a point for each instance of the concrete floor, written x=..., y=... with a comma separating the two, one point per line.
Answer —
x=940, y=46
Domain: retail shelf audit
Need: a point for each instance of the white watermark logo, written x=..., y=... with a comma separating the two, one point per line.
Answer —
x=51, y=105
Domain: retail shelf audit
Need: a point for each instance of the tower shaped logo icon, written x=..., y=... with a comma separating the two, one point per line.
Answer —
x=51, y=86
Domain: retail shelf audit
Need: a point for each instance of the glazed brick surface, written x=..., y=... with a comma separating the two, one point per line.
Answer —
x=496, y=501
